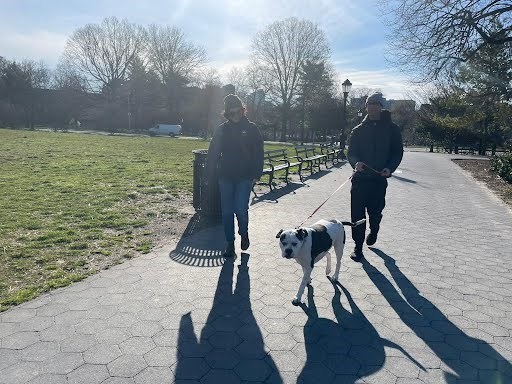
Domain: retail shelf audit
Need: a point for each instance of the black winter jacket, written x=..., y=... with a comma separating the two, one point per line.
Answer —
x=377, y=143
x=236, y=151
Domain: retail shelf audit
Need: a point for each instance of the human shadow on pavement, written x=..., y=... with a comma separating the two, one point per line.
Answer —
x=272, y=196
x=472, y=359
x=347, y=349
x=202, y=243
x=230, y=347
x=400, y=178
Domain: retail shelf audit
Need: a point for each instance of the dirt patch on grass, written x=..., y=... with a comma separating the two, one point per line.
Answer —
x=481, y=170
x=167, y=217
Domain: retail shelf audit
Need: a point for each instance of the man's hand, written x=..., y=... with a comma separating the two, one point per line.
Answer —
x=359, y=166
x=385, y=172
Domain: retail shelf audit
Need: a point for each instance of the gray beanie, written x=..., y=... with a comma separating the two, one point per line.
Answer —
x=375, y=98
x=232, y=101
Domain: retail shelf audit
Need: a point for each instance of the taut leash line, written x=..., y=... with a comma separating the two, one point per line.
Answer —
x=325, y=201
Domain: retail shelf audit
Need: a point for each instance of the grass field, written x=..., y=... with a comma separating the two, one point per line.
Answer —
x=72, y=204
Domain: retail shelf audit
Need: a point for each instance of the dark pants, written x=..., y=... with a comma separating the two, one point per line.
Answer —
x=367, y=195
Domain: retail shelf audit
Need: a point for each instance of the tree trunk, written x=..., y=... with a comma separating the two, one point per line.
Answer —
x=284, y=122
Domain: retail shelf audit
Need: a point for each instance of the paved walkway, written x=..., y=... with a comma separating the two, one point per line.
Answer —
x=431, y=303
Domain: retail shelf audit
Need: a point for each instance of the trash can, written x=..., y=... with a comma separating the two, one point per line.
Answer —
x=206, y=198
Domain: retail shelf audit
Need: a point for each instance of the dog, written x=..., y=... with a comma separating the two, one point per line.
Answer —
x=308, y=245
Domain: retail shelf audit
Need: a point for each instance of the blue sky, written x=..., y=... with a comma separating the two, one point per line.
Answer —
x=37, y=29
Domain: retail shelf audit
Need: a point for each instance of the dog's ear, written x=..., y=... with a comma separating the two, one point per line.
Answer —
x=279, y=234
x=301, y=234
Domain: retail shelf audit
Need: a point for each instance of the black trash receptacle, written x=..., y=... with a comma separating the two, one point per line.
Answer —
x=206, y=199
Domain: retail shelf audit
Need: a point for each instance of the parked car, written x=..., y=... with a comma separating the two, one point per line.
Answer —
x=165, y=129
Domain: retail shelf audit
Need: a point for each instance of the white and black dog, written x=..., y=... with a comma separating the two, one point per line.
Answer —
x=308, y=245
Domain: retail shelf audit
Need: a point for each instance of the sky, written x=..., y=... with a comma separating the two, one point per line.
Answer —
x=38, y=30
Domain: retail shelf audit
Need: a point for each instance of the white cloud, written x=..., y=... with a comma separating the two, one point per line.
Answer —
x=34, y=45
x=392, y=84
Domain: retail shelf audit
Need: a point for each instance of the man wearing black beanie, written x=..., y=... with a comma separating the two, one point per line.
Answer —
x=374, y=151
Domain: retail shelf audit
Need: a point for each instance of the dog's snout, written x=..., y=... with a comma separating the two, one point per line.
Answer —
x=288, y=252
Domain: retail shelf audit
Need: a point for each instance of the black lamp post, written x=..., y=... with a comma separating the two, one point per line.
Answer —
x=345, y=87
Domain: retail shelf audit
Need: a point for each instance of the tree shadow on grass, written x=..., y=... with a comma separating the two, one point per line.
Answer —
x=472, y=360
x=230, y=347
x=344, y=350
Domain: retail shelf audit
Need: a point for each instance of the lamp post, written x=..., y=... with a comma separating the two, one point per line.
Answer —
x=345, y=87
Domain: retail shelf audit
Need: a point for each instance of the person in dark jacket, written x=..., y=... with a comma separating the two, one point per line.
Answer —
x=235, y=155
x=375, y=150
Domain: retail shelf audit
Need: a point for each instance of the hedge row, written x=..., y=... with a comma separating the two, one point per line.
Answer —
x=502, y=165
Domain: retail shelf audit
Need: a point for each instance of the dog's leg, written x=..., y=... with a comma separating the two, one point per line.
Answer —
x=328, y=266
x=338, y=249
x=306, y=279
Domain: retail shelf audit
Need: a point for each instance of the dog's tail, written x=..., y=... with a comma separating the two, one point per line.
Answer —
x=351, y=224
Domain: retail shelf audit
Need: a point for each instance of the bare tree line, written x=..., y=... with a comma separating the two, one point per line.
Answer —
x=142, y=71
x=119, y=75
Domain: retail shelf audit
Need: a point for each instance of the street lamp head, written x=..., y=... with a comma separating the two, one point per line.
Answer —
x=345, y=86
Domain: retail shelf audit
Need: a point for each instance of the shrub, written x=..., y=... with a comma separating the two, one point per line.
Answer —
x=502, y=165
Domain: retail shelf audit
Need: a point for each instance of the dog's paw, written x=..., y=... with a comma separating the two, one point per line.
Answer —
x=327, y=271
x=296, y=302
x=334, y=279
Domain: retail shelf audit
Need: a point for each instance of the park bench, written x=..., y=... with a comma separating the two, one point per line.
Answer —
x=461, y=148
x=334, y=153
x=310, y=156
x=277, y=160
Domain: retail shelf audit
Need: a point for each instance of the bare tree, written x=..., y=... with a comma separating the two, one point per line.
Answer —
x=257, y=82
x=65, y=77
x=238, y=77
x=102, y=53
x=433, y=36
x=206, y=76
x=279, y=51
x=170, y=55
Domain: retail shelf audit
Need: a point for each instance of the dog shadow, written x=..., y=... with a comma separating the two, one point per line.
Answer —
x=230, y=347
x=347, y=349
x=201, y=244
x=458, y=351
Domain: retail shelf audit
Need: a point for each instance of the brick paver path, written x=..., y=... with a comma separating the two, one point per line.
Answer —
x=431, y=302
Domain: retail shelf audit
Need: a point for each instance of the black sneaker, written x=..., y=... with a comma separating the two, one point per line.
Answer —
x=230, y=250
x=245, y=242
x=371, y=238
x=357, y=255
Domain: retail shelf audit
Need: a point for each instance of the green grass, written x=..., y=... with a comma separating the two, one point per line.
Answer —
x=72, y=204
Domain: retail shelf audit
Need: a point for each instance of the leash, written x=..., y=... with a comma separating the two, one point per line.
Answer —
x=325, y=201
x=332, y=194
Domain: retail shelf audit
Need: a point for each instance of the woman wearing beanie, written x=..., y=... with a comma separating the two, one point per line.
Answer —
x=236, y=155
